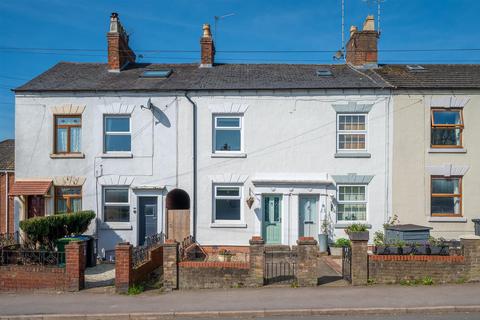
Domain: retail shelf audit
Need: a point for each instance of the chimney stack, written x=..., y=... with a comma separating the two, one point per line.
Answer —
x=207, y=48
x=119, y=53
x=362, y=46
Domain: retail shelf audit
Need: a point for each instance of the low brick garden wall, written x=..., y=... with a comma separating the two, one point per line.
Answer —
x=387, y=269
x=71, y=277
x=208, y=275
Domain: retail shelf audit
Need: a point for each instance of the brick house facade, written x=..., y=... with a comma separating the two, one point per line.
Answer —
x=7, y=177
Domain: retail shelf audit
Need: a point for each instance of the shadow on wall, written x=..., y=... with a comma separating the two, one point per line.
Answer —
x=161, y=117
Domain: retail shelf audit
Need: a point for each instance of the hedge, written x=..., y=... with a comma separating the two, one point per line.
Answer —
x=46, y=230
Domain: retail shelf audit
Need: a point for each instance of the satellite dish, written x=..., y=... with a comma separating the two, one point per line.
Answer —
x=149, y=105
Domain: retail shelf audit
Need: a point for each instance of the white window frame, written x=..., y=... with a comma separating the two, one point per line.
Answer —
x=352, y=202
x=215, y=127
x=239, y=197
x=352, y=132
x=116, y=133
x=105, y=204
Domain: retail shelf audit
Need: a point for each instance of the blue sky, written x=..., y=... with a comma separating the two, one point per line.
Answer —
x=256, y=25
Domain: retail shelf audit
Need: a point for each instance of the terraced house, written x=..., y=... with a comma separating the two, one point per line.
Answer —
x=227, y=151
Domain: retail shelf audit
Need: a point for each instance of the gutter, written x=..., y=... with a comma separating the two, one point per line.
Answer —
x=194, y=205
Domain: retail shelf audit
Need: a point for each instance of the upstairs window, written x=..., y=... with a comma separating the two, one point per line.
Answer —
x=446, y=196
x=68, y=199
x=117, y=134
x=116, y=204
x=447, y=127
x=227, y=205
x=227, y=134
x=68, y=131
x=352, y=132
x=352, y=203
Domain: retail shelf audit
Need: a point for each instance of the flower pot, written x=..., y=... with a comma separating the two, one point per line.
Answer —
x=359, y=236
x=386, y=250
x=420, y=250
x=323, y=242
x=407, y=250
x=336, y=251
x=439, y=250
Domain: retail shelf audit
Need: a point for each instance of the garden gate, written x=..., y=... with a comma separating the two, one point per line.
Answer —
x=347, y=263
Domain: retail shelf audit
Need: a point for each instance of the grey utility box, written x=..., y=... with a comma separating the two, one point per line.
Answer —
x=408, y=233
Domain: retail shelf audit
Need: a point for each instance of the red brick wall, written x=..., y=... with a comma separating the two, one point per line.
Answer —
x=4, y=228
x=395, y=268
x=143, y=271
x=69, y=278
x=13, y=278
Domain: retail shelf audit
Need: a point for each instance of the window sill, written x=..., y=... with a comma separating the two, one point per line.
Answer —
x=447, y=219
x=229, y=155
x=116, y=226
x=344, y=225
x=117, y=155
x=228, y=225
x=447, y=150
x=353, y=155
x=67, y=156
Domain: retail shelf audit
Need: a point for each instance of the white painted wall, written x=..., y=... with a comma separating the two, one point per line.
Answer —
x=153, y=161
x=288, y=134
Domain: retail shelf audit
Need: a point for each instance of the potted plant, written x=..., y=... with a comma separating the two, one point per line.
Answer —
x=336, y=248
x=357, y=232
x=437, y=247
x=323, y=236
x=225, y=255
x=419, y=249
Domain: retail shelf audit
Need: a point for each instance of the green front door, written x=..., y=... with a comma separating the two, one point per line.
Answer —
x=272, y=219
x=308, y=209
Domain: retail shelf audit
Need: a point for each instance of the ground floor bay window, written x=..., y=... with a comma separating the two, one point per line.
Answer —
x=352, y=203
x=116, y=204
x=446, y=196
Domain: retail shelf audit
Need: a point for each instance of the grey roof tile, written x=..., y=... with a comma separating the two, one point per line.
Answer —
x=95, y=77
x=7, y=154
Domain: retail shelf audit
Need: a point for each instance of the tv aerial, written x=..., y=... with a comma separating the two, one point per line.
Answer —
x=217, y=20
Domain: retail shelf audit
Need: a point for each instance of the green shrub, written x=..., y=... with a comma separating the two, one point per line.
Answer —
x=342, y=242
x=378, y=238
x=427, y=281
x=46, y=230
x=135, y=289
x=357, y=227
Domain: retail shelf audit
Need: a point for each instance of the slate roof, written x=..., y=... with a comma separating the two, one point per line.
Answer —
x=434, y=76
x=67, y=76
x=7, y=154
x=95, y=77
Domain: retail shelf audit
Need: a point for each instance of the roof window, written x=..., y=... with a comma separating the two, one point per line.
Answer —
x=324, y=73
x=156, y=73
x=416, y=67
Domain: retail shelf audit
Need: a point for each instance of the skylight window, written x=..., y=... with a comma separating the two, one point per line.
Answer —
x=324, y=73
x=156, y=73
x=415, y=68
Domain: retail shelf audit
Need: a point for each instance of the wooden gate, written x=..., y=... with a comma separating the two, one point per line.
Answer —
x=178, y=224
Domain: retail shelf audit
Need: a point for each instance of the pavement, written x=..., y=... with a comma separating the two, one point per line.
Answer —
x=244, y=302
x=101, y=275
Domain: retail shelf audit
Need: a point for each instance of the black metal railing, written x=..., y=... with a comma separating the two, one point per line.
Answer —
x=8, y=239
x=347, y=263
x=141, y=253
x=280, y=266
x=32, y=257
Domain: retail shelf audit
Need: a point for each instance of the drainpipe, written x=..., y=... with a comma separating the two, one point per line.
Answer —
x=194, y=209
x=6, y=202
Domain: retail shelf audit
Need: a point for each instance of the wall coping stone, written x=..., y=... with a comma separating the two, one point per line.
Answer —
x=376, y=257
